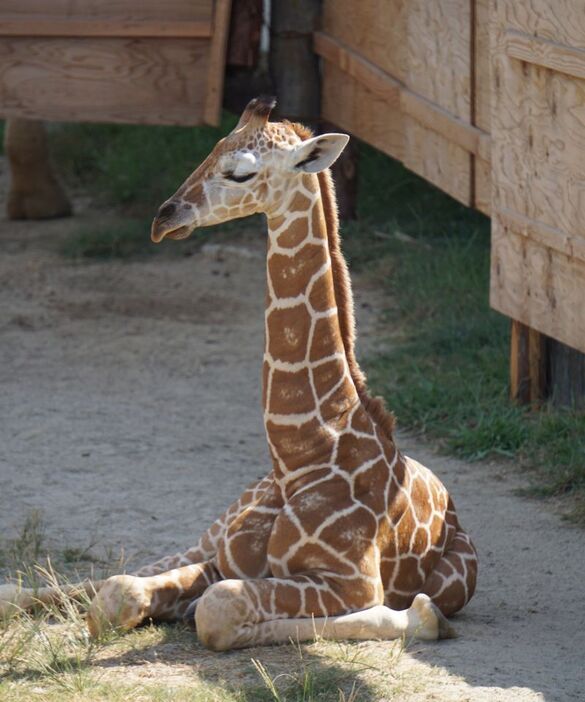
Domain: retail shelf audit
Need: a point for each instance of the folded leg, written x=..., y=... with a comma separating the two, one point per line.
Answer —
x=237, y=614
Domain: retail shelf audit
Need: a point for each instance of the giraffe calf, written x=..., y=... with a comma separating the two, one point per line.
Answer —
x=345, y=537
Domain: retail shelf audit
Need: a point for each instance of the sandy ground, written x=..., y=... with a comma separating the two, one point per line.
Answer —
x=130, y=415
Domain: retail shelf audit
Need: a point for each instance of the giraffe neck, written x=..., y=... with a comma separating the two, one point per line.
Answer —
x=308, y=388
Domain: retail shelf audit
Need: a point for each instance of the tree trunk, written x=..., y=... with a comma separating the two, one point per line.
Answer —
x=294, y=65
x=35, y=192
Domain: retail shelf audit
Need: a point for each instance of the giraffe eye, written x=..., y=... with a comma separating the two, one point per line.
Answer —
x=229, y=175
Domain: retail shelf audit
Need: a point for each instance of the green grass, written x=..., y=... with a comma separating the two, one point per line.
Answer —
x=132, y=167
x=445, y=373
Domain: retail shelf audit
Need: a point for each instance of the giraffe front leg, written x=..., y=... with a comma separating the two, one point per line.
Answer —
x=241, y=613
x=125, y=601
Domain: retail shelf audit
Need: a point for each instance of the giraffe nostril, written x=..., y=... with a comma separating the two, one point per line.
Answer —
x=167, y=210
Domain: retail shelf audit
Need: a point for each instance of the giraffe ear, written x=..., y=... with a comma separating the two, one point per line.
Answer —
x=318, y=153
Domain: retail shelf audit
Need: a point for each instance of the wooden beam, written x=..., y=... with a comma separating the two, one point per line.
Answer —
x=444, y=123
x=551, y=237
x=216, y=68
x=545, y=53
x=365, y=72
x=45, y=26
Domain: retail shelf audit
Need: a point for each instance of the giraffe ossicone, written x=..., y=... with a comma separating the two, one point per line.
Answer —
x=345, y=537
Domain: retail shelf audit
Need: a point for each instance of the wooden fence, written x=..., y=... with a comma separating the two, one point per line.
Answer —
x=140, y=61
x=485, y=99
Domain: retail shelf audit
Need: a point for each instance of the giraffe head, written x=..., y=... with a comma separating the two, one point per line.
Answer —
x=249, y=171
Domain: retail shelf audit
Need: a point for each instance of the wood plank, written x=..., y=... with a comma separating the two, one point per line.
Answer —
x=561, y=21
x=527, y=364
x=551, y=237
x=453, y=129
x=47, y=26
x=151, y=81
x=123, y=10
x=377, y=81
x=545, y=53
x=216, y=66
x=519, y=368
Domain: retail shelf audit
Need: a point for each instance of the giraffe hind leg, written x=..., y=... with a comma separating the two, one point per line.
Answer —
x=452, y=582
x=240, y=613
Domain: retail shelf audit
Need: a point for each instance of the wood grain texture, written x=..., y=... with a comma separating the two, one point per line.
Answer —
x=437, y=143
x=439, y=70
x=375, y=29
x=538, y=286
x=216, y=62
x=154, y=81
x=439, y=53
x=538, y=157
x=353, y=107
x=545, y=53
x=482, y=173
x=47, y=26
x=482, y=79
x=365, y=72
x=527, y=364
x=128, y=10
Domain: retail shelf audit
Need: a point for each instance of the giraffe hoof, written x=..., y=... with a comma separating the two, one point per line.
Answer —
x=122, y=602
x=431, y=623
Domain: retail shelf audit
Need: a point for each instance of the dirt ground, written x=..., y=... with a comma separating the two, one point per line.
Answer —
x=130, y=416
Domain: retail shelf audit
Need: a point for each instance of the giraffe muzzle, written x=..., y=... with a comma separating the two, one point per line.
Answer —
x=159, y=232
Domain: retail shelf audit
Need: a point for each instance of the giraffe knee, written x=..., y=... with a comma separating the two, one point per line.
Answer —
x=122, y=601
x=220, y=613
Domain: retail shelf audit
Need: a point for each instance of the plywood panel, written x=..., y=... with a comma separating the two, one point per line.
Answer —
x=538, y=156
x=376, y=29
x=138, y=80
x=353, y=107
x=439, y=69
x=439, y=53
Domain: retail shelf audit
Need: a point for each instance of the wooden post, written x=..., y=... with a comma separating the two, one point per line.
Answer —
x=566, y=374
x=294, y=66
x=542, y=368
x=246, y=75
x=527, y=365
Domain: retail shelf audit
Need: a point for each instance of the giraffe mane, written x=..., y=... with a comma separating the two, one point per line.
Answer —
x=374, y=406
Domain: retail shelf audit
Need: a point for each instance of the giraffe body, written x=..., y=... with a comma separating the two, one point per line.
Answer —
x=345, y=537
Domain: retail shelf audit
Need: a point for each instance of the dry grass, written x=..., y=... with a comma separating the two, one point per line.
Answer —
x=48, y=656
